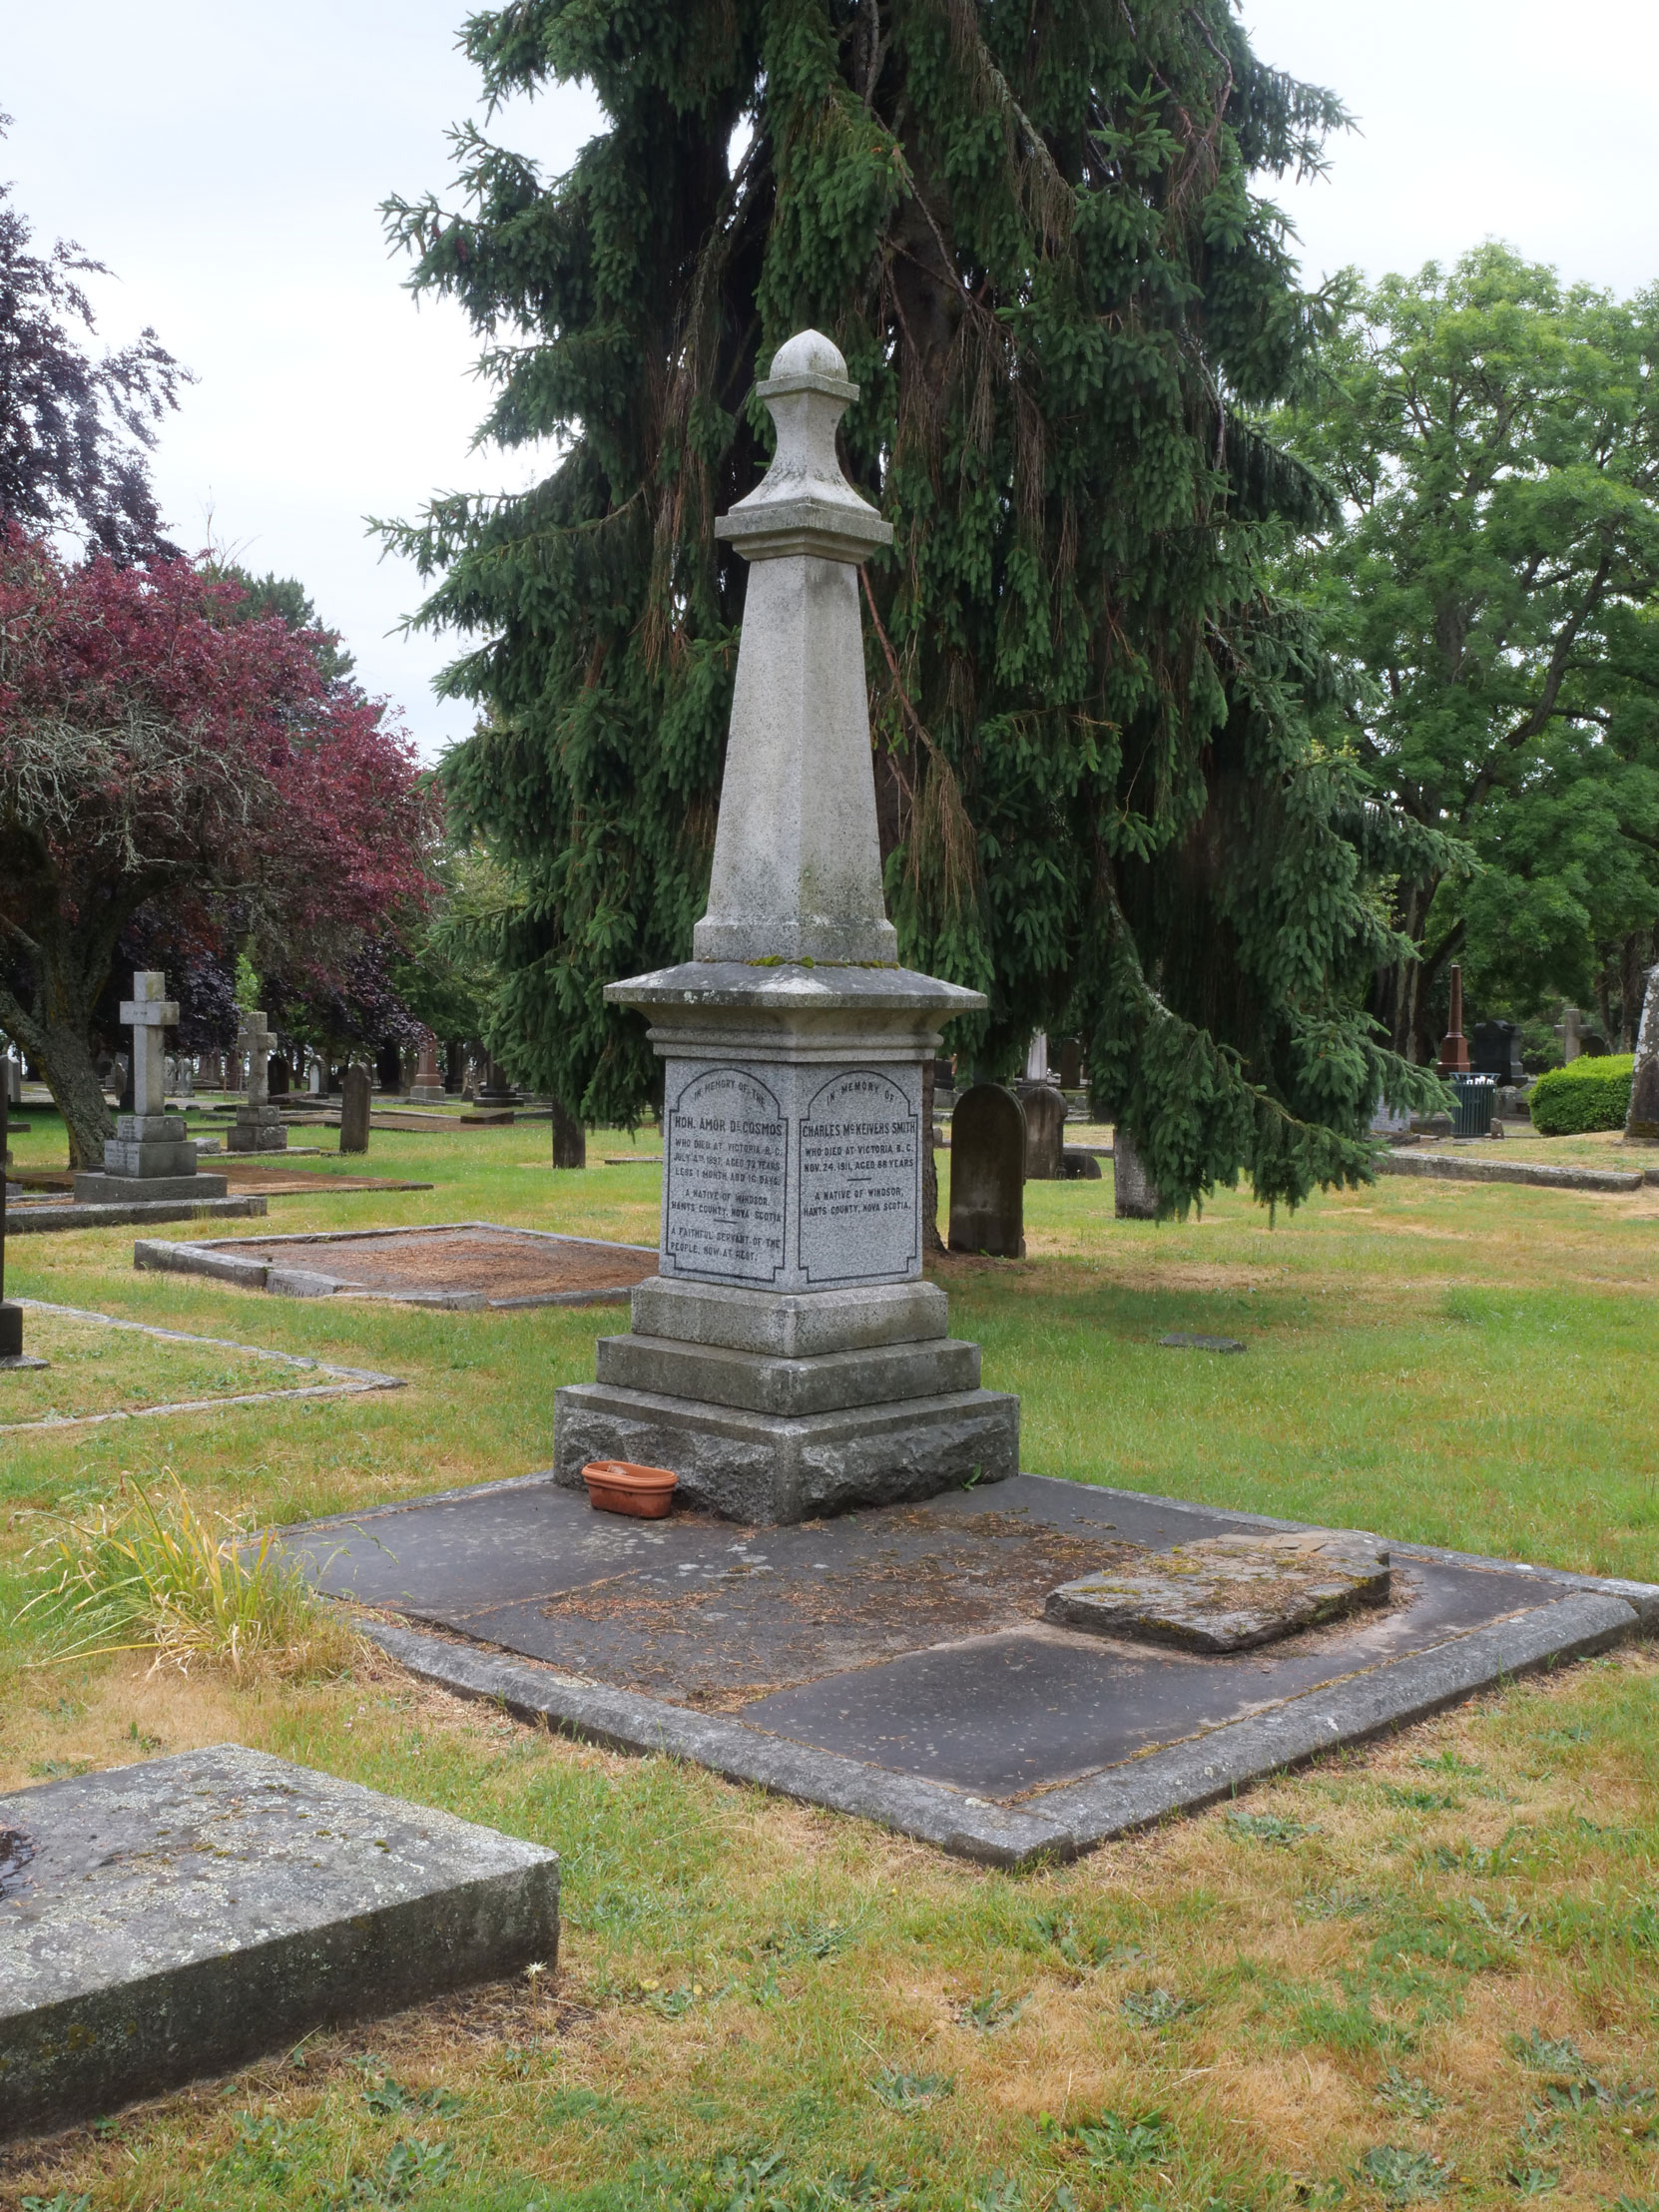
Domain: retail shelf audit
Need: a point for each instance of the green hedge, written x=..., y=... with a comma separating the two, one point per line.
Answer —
x=1585, y=1094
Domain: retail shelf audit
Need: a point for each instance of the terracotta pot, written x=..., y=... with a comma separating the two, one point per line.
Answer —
x=620, y=1486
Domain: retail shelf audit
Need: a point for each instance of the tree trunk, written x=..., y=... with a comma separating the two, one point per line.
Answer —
x=570, y=1139
x=61, y=1052
x=932, y=1240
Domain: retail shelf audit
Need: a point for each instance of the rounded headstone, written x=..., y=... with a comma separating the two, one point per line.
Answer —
x=987, y=1172
x=353, y=1110
x=1045, y=1122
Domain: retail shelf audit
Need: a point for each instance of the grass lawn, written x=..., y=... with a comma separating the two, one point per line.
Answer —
x=1428, y=1968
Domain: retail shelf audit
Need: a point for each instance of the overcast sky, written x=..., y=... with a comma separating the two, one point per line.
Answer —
x=228, y=161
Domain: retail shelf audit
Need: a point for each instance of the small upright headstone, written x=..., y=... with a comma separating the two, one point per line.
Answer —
x=1455, y=1050
x=259, y=1127
x=149, y=1157
x=353, y=1109
x=1136, y=1194
x=1642, y=1117
x=1036, y=1058
x=1045, y=1123
x=1570, y=1032
x=278, y=1076
x=318, y=1082
x=987, y=1172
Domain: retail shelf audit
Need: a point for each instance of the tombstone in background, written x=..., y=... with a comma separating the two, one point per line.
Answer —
x=1497, y=1051
x=259, y=1127
x=12, y=1353
x=355, y=1093
x=1455, y=1050
x=1568, y=1031
x=14, y=1078
x=149, y=1157
x=278, y=1076
x=318, y=1082
x=428, y=1087
x=1045, y=1123
x=987, y=1172
x=1136, y=1194
x=1641, y=1121
x=454, y=1070
x=788, y=1359
x=1071, y=1064
x=1036, y=1058
x=389, y=1069
x=495, y=1090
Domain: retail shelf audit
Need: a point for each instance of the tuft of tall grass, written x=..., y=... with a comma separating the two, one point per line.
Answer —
x=149, y=1572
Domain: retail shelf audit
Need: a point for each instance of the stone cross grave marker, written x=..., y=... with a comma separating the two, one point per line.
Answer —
x=12, y=1353
x=258, y=1126
x=987, y=1172
x=788, y=1359
x=149, y=1158
x=355, y=1093
x=1045, y=1126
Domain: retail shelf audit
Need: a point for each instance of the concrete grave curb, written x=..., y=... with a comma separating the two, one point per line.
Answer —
x=21, y=1221
x=212, y=1260
x=1577, y=1616
x=1443, y=1167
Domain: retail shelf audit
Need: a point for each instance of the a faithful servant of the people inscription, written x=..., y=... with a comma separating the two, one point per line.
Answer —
x=837, y=1154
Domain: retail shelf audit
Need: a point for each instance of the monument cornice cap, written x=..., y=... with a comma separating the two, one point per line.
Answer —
x=803, y=503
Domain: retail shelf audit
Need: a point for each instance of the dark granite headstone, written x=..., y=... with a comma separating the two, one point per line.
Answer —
x=1045, y=1121
x=1642, y=1119
x=353, y=1110
x=1071, y=1063
x=278, y=1076
x=987, y=1172
x=389, y=1068
x=1497, y=1051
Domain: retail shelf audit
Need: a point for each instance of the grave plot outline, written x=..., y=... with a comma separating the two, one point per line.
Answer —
x=342, y=1382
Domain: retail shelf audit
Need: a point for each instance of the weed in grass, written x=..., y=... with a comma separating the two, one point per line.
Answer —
x=1421, y=1801
x=388, y=2099
x=1548, y=2055
x=1336, y=1904
x=1112, y=2140
x=1155, y=2008
x=1059, y=1932
x=1446, y=1762
x=152, y=1574
x=991, y=2011
x=266, y=2144
x=998, y=2193
x=1407, y=2094
x=409, y=2166
x=1529, y=2180
x=62, y=2202
x=811, y=1939
x=1402, y=2175
x=59, y=1770
x=1268, y=1828
x=903, y=2093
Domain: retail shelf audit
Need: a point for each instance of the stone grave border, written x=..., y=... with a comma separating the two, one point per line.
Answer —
x=342, y=1382
x=1582, y=1614
x=22, y=1221
x=214, y=1260
x=1447, y=1167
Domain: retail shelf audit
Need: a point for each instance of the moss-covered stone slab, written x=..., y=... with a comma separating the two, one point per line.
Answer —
x=1229, y=1593
x=178, y=1918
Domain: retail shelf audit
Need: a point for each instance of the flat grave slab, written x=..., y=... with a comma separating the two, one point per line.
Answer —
x=458, y=1264
x=897, y=1662
x=178, y=1918
x=49, y=1214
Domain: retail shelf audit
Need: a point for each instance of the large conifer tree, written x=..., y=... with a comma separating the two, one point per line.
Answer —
x=1030, y=229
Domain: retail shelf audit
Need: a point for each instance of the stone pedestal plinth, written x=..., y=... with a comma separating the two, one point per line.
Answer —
x=789, y=1359
x=149, y=1157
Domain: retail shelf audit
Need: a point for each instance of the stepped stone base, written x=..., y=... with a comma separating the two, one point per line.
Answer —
x=771, y=1467
x=753, y=1383
x=95, y=1188
x=264, y=1132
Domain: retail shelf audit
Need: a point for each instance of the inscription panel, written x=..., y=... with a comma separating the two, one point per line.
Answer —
x=859, y=1189
x=724, y=1191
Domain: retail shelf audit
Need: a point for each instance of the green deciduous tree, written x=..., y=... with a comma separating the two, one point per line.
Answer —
x=1036, y=238
x=1491, y=594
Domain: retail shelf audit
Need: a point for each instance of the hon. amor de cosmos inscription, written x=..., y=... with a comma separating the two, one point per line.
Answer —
x=859, y=1190
x=727, y=1170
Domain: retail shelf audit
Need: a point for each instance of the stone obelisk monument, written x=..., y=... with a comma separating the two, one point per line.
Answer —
x=788, y=1358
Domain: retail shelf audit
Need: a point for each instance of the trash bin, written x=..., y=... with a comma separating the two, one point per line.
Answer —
x=1476, y=1102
